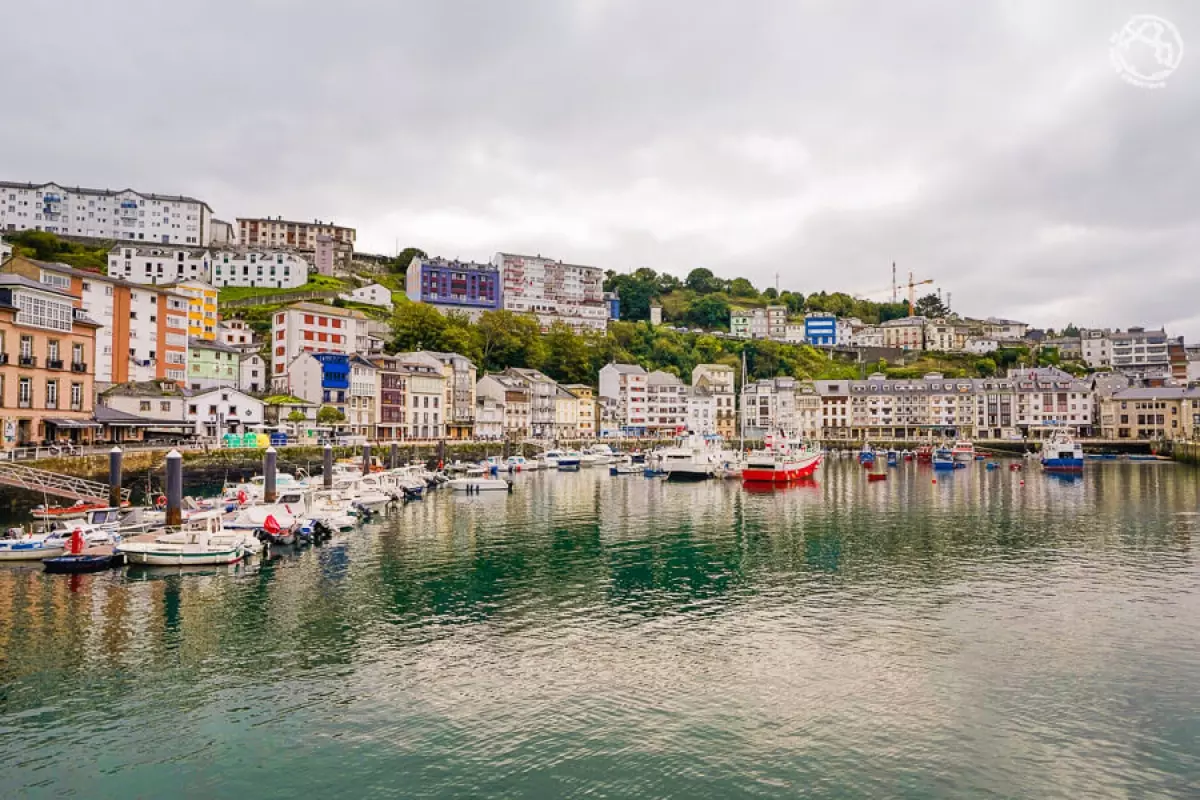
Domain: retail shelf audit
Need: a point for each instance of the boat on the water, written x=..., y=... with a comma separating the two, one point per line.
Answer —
x=1061, y=453
x=77, y=510
x=20, y=545
x=520, y=464
x=478, y=485
x=893, y=458
x=925, y=454
x=691, y=458
x=780, y=461
x=963, y=450
x=943, y=458
x=569, y=460
x=866, y=456
x=600, y=454
x=201, y=540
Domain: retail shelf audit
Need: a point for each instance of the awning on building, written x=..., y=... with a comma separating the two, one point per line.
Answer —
x=61, y=422
x=173, y=431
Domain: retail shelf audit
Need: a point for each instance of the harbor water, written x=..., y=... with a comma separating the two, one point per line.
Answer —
x=990, y=634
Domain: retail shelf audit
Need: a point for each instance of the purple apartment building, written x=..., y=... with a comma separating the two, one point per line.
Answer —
x=462, y=286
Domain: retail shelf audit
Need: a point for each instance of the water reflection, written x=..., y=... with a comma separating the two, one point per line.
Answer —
x=813, y=624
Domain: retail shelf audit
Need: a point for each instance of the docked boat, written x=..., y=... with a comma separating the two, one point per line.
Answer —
x=626, y=467
x=77, y=510
x=925, y=454
x=1061, y=453
x=550, y=458
x=478, y=485
x=22, y=546
x=286, y=511
x=893, y=458
x=333, y=509
x=780, y=461
x=866, y=456
x=520, y=464
x=76, y=559
x=963, y=450
x=201, y=540
x=943, y=459
x=692, y=458
x=600, y=454
x=569, y=460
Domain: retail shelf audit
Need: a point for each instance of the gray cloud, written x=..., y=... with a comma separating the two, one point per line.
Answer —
x=990, y=146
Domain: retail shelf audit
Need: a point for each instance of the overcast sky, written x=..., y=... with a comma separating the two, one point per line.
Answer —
x=990, y=146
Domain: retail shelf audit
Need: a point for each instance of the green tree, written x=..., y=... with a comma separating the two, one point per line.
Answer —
x=509, y=340
x=400, y=263
x=702, y=281
x=741, y=287
x=1071, y=330
x=417, y=326
x=771, y=293
x=931, y=306
x=793, y=300
x=709, y=311
x=328, y=415
x=636, y=289
x=567, y=358
x=986, y=367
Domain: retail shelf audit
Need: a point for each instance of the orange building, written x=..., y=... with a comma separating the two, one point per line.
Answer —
x=46, y=350
x=143, y=332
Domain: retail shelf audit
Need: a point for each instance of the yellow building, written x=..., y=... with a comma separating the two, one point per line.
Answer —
x=587, y=413
x=202, y=308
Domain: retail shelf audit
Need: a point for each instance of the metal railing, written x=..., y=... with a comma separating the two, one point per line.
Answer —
x=46, y=482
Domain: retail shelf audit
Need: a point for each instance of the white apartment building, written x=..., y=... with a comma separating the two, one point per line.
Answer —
x=666, y=404
x=717, y=380
x=868, y=336
x=224, y=410
x=311, y=327
x=1004, y=329
x=364, y=389
x=253, y=374
x=372, y=294
x=553, y=291
x=513, y=397
x=237, y=334
x=768, y=406
x=274, y=269
x=1141, y=353
x=625, y=386
x=946, y=335
x=542, y=393
x=981, y=346
x=148, y=264
x=124, y=215
x=489, y=419
x=223, y=234
x=702, y=411
x=1095, y=347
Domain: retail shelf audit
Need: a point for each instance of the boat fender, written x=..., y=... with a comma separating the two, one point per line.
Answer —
x=241, y=497
x=161, y=501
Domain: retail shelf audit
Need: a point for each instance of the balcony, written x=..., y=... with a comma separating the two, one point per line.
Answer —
x=79, y=366
x=3, y=358
x=27, y=361
x=54, y=363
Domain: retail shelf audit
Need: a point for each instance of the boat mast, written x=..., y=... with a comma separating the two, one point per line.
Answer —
x=740, y=408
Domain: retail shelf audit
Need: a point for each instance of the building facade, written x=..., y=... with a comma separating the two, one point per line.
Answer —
x=588, y=415
x=212, y=365
x=216, y=412
x=259, y=268
x=460, y=286
x=666, y=405
x=542, y=393
x=1095, y=347
x=511, y=395
x=125, y=215
x=373, y=294
x=143, y=333
x=253, y=374
x=1151, y=414
x=310, y=327
x=566, y=414
x=46, y=348
x=154, y=264
x=276, y=232
x=906, y=333
x=460, y=377
x=717, y=381
x=202, y=308
x=821, y=330
x=553, y=291
x=1140, y=353
x=237, y=334
x=411, y=400
x=625, y=386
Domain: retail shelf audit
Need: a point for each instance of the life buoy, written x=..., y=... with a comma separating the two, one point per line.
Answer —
x=161, y=501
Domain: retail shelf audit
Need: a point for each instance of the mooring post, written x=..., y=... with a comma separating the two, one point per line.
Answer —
x=395, y=459
x=327, y=466
x=270, y=495
x=174, y=489
x=114, y=477
x=366, y=469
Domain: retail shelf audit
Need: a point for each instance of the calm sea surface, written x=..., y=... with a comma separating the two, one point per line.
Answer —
x=623, y=637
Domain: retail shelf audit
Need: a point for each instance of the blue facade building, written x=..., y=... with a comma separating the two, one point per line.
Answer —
x=821, y=329
x=335, y=376
x=614, y=305
x=454, y=285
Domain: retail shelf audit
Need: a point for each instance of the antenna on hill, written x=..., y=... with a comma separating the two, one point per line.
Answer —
x=895, y=288
x=776, y=283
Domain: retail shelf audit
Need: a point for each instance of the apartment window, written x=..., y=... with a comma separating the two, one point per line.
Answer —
x=76, y=354
x=24, y=392
x=76, y=396
x=26, y=346
x=144, y=405
x=51, y=394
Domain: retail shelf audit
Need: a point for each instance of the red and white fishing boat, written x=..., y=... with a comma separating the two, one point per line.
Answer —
x=77, y=511
x=781, y=461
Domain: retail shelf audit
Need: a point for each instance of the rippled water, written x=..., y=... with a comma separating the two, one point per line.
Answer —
x=623, y=637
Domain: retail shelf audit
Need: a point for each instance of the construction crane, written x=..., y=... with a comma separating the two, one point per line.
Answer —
x=912, y=292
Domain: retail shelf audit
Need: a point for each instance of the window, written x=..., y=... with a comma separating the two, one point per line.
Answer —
x=192, y=409
x=144, y=405
x=76, y=396
x=40, y=312
x=26, y=346
x=51, y=394
x=76, y=354
x=24, y=392
x=164, y=405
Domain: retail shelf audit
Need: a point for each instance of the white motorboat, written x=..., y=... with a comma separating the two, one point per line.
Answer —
x=477, y=485
x=693, y=458
x=550, y=458
x=569, y=460
x=365, y=492
x=333, y=509
x=520, y=464
x=963, y=450
x=201, y=540
x=21, y=545
x=600, y=454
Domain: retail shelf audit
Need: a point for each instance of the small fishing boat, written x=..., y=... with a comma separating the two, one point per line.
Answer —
x=1061, y=453
x=520, y=464
x=600, y=454
x=570, y=460
x=893, y=458
x=23, y=546
x=872, y=477
x=943, y=459
x=626, y=468
x=550, y=458
x=201, y=540
x=963, y=450
x=925, y=454
x=76, y=511
x=77, y=560
x=866, y=456
x=478, y=485
x=781, y=461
